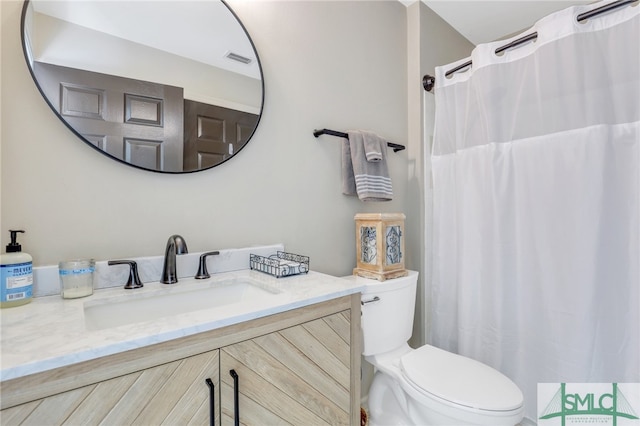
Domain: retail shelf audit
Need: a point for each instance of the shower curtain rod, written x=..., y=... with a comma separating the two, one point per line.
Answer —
x=428, y=81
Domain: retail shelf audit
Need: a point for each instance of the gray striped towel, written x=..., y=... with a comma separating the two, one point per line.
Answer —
x=369, y=180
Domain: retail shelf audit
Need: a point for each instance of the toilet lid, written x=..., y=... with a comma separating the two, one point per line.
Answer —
x=460, y=380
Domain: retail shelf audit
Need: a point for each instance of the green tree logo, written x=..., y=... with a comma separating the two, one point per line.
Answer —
x=613, y=404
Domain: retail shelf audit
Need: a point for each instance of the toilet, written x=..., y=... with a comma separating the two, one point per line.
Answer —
x=425, y=386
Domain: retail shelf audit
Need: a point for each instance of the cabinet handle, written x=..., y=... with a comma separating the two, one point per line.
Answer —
x=236, y=404
x=212, y=404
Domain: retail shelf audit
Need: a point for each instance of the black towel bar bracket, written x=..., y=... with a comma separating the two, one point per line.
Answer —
x=396, y=147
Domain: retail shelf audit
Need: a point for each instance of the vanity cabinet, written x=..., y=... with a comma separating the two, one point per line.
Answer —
x=298, y=367
x=297, y=376
x=173, y=393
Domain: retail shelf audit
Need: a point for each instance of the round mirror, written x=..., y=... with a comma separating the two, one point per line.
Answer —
x=167, y=86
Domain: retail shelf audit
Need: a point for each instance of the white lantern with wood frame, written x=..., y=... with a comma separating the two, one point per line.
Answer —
x=380, y=246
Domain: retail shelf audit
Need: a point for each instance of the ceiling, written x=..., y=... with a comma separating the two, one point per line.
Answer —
x=479, y=21
x=484, y=21
x=204, y=31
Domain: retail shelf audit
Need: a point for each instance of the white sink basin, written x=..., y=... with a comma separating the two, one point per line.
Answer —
x=172, y=300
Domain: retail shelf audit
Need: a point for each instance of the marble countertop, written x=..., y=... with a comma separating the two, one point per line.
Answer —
x=52, y=332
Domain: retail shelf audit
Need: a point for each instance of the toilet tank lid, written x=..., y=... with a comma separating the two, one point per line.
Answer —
x=387, y=285
x=460, y=380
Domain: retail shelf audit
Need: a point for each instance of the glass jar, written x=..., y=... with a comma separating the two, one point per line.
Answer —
x=76, y=278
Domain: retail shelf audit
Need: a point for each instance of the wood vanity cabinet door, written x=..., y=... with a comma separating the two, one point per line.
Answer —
x=299, y=375
x=174, y=394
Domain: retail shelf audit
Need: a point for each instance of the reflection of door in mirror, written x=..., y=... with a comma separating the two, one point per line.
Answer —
x=212, y=134
x=138, y=122
x=164, y=51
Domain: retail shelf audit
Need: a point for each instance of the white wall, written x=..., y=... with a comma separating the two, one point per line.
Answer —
x=335, y=64
x=339, y=65
x=430, y=42
x=444, y=45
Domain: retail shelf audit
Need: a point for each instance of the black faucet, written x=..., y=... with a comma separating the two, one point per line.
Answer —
x=175, y=245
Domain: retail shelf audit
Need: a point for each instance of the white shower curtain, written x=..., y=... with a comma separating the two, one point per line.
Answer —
x=536, y=188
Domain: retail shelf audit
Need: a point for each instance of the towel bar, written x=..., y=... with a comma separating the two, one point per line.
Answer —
x=317, y=133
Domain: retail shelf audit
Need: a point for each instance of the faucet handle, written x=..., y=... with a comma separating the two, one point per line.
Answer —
x=134, y=279
x=202, y=267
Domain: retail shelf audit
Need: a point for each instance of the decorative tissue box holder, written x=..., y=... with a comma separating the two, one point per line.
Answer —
x=281, y=264
x=380, y=246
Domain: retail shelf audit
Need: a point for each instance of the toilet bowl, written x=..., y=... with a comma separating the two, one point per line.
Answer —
x=427, y=385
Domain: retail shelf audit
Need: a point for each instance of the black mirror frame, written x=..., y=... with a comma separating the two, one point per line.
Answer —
x=75, y=132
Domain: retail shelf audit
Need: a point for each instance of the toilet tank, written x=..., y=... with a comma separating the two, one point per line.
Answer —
x=387, y=322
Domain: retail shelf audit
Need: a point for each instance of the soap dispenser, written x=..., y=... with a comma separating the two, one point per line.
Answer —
x=16, y=285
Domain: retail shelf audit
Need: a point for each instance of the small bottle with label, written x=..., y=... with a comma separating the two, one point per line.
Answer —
x=16, y=273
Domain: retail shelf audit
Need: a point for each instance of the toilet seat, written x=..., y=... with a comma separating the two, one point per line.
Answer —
x=459, y=381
